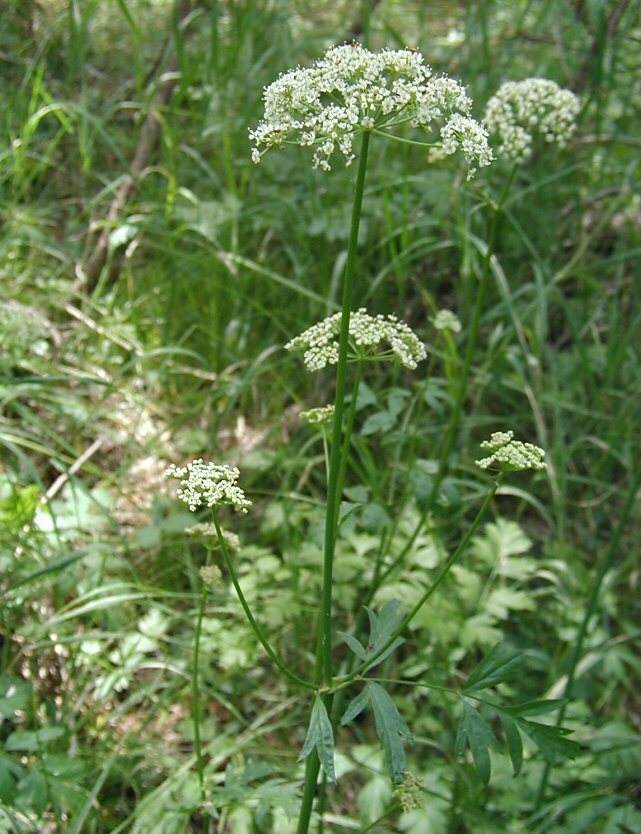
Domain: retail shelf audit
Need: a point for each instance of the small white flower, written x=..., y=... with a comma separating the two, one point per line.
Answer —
x=446, y=320
x=520, y=109
x=511, y=455
x=320, y=342
x=208, y=485
x=351, y=90
x=319, y=416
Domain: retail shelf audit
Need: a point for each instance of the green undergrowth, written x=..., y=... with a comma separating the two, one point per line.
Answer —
x=177, y=353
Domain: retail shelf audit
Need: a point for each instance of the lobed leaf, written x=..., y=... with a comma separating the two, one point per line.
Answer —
x=391, y=730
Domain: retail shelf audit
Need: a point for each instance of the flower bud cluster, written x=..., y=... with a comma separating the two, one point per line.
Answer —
x=446, y=320
x=511, y=455
x=319, y=416
x=520, y=109
x=210, y=574
x=208, y=485
x=320, y=342
x=350, y=90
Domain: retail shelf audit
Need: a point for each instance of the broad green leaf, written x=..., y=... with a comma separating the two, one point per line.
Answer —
x=551, y=741
x=320, y=736
x=514, y=743
x=30, y=741
x=499, y=664
x=356, y=706
x=479, y=737
x=15, y=694
x=391, y=730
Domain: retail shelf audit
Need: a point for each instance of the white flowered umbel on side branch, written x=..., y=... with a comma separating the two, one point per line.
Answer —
x=366, y=333
x=511, y=455
x=209, y=485
x=351, y=90
x=522, y=109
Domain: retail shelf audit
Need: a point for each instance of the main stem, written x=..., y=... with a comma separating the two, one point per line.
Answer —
x=338, y=453
x=338, y=450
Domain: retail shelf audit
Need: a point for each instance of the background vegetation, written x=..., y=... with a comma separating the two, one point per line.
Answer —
x=163, y=272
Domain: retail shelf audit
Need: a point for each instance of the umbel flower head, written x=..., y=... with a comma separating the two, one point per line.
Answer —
x=208, y=485
x=319, y=416
x=366, y=333
x=511, y=455
x=350, y=89
x=446, y=320
x=520, y=109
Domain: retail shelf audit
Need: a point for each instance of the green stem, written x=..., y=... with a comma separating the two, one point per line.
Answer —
x=338, y=454
x=195, y=689
x=349, y=429
x=340, y=682
x=605, y=566
x=338, y=451
x=250, y=617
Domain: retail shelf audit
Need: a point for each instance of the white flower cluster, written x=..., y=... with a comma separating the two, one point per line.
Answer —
x=21, y=329
x=351, y=89
x=319, y=416
x=320, y=342
x=521, y=108
x=208, y=530
x=511, y=455
x=208, y=485
x=210, y=574
x=446, y=320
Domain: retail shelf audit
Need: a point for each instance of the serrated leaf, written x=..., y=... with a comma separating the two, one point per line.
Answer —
x=320, y=736
x=551, y=741
x=498, y=665
x=356, y=706
x=391, y=730
x=479, y=737
x=514, y=742
x=355, y=645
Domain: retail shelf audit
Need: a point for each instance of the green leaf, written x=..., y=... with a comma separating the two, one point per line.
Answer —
x=15, y=694
x=514, y=743
x=499, y=664
x=551, y=741
x=383, y=625
x=320, y=736
x=540, y=707
x=479, y=737
x=355, y=645
x=30, y=741
x=356, y=706
x=391, y=730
